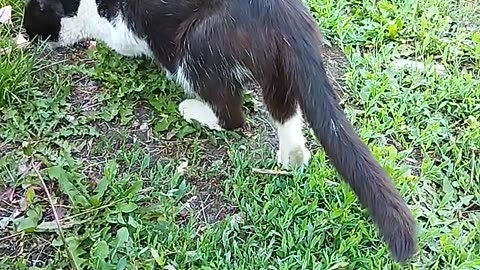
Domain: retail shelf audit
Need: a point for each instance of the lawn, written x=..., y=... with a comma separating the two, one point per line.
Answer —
x=137, y=187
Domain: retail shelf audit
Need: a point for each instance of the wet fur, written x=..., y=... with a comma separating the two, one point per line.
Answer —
x=214, y=48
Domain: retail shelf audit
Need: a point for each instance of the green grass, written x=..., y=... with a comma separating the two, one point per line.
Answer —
x=108, y=140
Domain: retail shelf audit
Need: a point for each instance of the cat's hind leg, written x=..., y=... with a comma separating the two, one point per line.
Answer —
x=292, y=150
x=287, y=117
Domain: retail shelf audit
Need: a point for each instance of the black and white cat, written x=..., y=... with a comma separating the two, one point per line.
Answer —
x=213, y=48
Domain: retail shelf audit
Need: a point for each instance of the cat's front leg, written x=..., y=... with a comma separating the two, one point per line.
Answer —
x=217, y=104
x=194, y=109
x=215, y=114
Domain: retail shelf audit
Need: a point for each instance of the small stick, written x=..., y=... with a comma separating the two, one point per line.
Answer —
x=10, y=236
x=57, y=221
x=272, y=172
x=472, y=176
x=91, y=210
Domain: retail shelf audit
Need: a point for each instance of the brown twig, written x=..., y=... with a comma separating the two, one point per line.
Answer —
x=10, y=236
x=57, y=220
x=204, y=206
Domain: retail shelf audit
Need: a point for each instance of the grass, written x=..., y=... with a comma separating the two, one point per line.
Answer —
x=136, y=187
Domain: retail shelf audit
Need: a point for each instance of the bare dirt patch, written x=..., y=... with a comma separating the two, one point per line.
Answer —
x=335, y=64
x=209, y=203
x=35, y=248
x=85, y=94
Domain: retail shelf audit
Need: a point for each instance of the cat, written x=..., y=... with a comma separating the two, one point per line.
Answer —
x=213, y=49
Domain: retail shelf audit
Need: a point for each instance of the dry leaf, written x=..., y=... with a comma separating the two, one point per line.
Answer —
x=61, y=212
x=23, y=204
x=23, y=169
x=93, y=181
x=4, y=221
x=92, y=45
x=20, y=41
x=6, y=14
x=143, y=127
x=416, y=65
x=7, y=194
x=10, y=198
x=182, y=167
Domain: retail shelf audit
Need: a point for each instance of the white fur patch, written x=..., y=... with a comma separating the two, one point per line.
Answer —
x=181, y=77
x=125, y=42
x=199, y=111
x=89, y=24
x=292, y=152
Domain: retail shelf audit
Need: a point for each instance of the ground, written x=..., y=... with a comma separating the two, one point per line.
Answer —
x=136, y=187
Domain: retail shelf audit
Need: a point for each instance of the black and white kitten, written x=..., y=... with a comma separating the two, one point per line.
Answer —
x=214, y=48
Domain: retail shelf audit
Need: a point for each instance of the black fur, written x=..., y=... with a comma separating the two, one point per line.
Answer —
x=49, y=12
x=279, y=44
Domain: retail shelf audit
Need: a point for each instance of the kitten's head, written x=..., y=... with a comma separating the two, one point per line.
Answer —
x=43, y=19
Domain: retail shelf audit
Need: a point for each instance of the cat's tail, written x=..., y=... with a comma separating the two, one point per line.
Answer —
x=303, y=67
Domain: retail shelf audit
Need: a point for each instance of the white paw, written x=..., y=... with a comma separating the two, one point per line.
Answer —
x=293, y=156
x=293, y=152
x=199, y=111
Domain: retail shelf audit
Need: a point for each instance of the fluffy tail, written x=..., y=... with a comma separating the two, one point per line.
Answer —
x=350, y=156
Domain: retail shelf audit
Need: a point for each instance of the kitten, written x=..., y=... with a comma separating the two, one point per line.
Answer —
x=213, y=48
